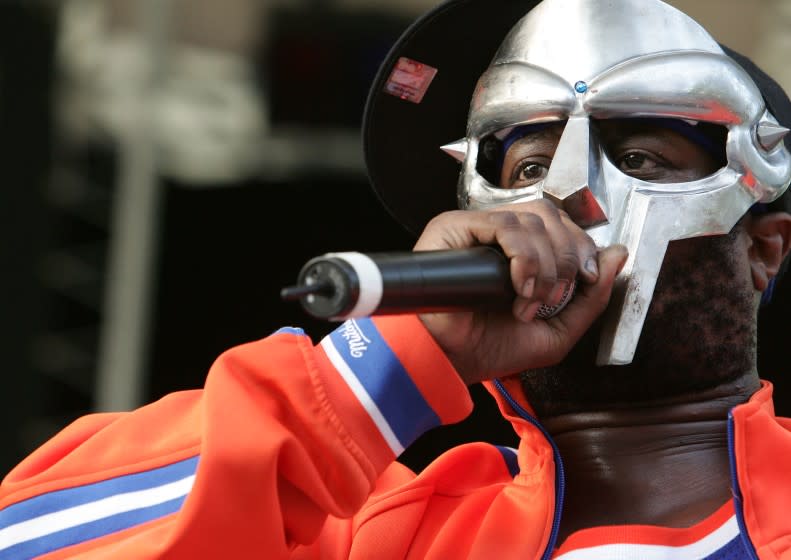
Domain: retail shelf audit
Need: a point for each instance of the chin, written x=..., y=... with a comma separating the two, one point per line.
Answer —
x=685, y=347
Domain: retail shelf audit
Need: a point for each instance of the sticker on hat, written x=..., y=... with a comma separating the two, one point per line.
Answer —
x=410, y=80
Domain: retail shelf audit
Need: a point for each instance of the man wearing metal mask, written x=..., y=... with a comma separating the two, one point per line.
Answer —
x=612, y=148
x=629, y=84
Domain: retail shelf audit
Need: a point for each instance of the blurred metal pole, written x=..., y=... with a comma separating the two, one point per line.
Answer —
x=135, y=227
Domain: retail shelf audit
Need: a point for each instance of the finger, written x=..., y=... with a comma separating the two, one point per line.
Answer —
x=567, y=251
x=575, y=251
x=547, y=250
x=524, y=239
x=459, y=229
x=449, y=230
x=586, y=249
x=588, y=303
x=521, y=236
x=525, y=309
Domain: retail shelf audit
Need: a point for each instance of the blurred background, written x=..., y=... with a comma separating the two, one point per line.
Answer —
x=170, y=165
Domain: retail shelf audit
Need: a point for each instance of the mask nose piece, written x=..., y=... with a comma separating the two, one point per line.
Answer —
x=572, y=182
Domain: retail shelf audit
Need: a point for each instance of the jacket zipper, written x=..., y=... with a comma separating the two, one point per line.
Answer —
x=560, y=473
x=737, y=492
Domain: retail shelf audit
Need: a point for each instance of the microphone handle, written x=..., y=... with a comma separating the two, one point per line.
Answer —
x=352, y=285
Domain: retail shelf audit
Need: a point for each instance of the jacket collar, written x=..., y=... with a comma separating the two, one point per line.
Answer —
x=761, y=458
x=761, y=448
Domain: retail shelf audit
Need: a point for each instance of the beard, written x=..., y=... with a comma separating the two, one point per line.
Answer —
x=700, y=332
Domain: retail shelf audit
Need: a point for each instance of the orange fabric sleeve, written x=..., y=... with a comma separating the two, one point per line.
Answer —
x=283, y=435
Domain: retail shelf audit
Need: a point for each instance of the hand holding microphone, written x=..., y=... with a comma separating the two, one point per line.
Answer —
x=541, y=254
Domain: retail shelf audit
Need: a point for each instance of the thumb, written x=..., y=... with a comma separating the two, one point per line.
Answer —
x=611, y=261
x=590, y=300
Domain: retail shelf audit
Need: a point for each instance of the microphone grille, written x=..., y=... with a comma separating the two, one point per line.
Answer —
x=549, y=311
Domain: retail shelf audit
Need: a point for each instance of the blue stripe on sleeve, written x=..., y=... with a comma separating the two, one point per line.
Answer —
x=289, y=330
x=88, y=531
x=384, y=378
x=64, y=499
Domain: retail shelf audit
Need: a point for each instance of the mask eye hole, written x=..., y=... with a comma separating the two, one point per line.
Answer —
x=525, y=154
x=662, y=150
x=490, y=158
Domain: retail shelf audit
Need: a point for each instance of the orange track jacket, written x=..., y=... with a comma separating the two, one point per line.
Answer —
x=289, y=452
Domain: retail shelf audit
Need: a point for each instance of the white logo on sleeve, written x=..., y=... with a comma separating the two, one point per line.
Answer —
x=354, y=336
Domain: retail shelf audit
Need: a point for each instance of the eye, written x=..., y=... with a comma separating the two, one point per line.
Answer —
x=526, y=173
x=633, y=161
x=640, y=164
x=530, y=171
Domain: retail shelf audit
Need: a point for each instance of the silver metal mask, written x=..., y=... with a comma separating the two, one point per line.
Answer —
x=573, y=60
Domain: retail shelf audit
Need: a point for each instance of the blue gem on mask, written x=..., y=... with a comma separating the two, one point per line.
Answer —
x=580, y=87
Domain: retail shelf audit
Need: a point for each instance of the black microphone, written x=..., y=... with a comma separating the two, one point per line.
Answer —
x=340, y=286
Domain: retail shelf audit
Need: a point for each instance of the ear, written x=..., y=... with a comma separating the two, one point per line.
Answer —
x=771, y=240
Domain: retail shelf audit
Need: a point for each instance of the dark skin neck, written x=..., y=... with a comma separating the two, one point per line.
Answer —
x=660, y=463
